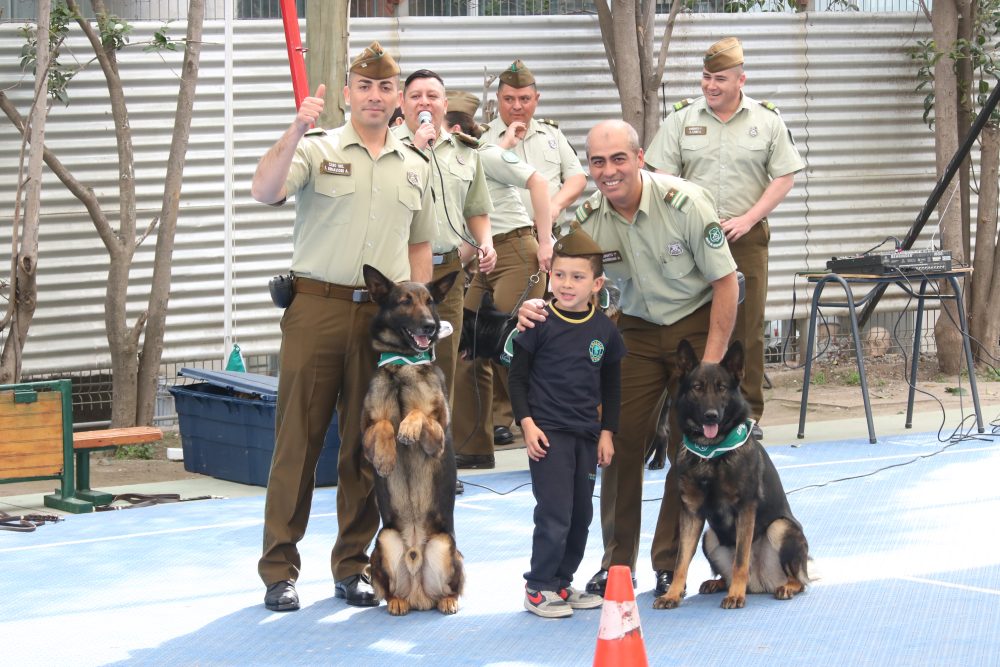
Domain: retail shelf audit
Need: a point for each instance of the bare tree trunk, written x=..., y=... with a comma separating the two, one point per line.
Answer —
x=984, y=318
x=152, y=346
x=23, y=287
x=966, y=106
x=326, y=59
x=944, y=21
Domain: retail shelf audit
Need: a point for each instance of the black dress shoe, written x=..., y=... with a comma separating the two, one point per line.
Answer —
x=599, y=582
x=468, y=461
x=756, y=432
x=502, y=435
x=281, y=596
x=357, y=591
x=663, y=580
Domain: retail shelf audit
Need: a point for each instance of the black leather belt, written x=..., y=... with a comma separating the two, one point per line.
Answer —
x=329, y=290
x=520, y=231
x=446, y=257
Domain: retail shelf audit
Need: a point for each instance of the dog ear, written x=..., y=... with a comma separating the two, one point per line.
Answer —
x=439, y=288
x=378, y=285
x=686, y=358
x=733, y=361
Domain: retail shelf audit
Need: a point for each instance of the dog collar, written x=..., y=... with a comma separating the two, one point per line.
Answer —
x=738, y=436
x=393, y=359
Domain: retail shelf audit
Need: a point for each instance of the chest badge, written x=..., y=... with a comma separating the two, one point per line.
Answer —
x=675, y=249
x=552, y=143
x=336, y=168
x=753, y=131
x=413, y=179
x=460, y=159
x=596, y=350
x=695, y=130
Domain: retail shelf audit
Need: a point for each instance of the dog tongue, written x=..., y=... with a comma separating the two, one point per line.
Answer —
x=710, y=430
x=423, y=341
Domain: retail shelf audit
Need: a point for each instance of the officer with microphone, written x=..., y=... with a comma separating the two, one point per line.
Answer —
x=461, y=200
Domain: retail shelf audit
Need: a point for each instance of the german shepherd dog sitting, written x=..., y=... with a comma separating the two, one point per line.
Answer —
x=407, y=437
x=727, y=479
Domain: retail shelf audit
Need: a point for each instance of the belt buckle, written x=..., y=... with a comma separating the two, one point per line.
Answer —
x=360, y=296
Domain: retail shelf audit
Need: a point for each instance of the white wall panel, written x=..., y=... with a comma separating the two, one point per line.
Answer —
x=843, y=82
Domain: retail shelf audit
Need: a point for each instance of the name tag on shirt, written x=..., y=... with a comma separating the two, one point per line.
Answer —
x=336, y=168
x=612, y=257
x=695, y=130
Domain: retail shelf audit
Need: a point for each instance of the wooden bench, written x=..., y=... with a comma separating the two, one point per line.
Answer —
x=37, y=442
x=85, y=442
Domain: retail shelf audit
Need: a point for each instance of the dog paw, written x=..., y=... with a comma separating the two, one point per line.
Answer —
x=788, y=591
x=448, y=605
x=712, y=586
x=664, y=602
x=409, y=429
x=384, y=461
x=655, y=465
x=734, y=602
x=398, y=606
x=433, y=442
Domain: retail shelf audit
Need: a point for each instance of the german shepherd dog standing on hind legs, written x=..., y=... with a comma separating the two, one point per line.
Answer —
x=407, y=437
x=753, y=542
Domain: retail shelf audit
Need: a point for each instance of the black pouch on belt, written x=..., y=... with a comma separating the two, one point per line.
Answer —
x=281, y=290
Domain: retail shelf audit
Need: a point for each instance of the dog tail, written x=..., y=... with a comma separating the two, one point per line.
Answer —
x=793, y=556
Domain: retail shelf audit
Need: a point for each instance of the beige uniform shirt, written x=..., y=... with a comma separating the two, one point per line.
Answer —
x=352, y=210
x=665, y=260
x=734, y=160
x=506, y=174
x=465, y=191
x=546, y=149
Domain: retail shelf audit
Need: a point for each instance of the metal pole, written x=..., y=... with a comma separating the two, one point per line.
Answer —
x=296, y=57
x=939, y=189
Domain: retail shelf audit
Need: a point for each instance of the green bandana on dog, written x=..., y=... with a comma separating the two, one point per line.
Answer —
x=736, y=437
x=393, y=359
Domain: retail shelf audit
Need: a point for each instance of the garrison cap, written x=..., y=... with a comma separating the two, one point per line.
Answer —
x=517, y=75
x=724, y=54
x=577, y=243
x=374, y=63
x=462, y=102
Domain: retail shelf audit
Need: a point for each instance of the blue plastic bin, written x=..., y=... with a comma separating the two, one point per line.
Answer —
x=227, y=427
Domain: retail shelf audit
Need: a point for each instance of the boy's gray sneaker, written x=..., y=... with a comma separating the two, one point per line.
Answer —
x=580, y=599
x=547, y=604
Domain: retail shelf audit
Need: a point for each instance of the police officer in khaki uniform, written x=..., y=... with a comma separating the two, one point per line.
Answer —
x=522, y=248
x=540, y=143
x=739, y=150
x=361, y=197
x=666, y=252
x=462, y=211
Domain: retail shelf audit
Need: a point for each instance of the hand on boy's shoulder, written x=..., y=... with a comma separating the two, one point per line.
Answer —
x=531, y=311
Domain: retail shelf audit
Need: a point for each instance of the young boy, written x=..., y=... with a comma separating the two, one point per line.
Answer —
x=565, y=388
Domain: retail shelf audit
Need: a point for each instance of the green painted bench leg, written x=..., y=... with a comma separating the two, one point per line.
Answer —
x=83, y=490
x=72, y=505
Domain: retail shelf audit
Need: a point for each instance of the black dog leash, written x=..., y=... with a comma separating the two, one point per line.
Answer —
x=25, y=523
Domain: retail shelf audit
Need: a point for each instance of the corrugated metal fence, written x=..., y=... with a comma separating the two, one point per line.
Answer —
x=843, y=81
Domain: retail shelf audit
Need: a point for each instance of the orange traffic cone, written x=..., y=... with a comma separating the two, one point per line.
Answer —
x=619, y=639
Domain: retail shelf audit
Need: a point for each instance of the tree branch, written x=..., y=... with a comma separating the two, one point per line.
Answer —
x=607, y=23
x=668, y=32
x=82, y=192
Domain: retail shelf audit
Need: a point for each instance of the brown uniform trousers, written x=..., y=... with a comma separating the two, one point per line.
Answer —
x=517, y=260
x=449, y=310
x=326, y=361
x=750, y=253
x=648, y=370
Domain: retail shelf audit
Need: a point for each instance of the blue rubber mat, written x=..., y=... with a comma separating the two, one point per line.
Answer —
x=908, y=567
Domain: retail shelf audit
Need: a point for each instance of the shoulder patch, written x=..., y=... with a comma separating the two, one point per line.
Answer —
x=510, y=156
x=683, y=103
x=472, y=142
x=417, y=151
x=715, y=238
x=315, y=132
x=548, y=121
x=770, y=106
x=676, y=198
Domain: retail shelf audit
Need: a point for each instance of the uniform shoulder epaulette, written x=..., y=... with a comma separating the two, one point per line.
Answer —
x=683, y=103
x=770, y=106
x=676, y=198
x=549, y=121
x=417, y=151
x=315, y=132
x=586, y=209
x=470, y=141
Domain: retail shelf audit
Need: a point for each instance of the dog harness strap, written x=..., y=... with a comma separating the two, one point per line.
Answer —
x=734, y=439
x=394, y=359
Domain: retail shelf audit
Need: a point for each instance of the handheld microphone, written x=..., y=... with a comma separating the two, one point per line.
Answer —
x=422, y=118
